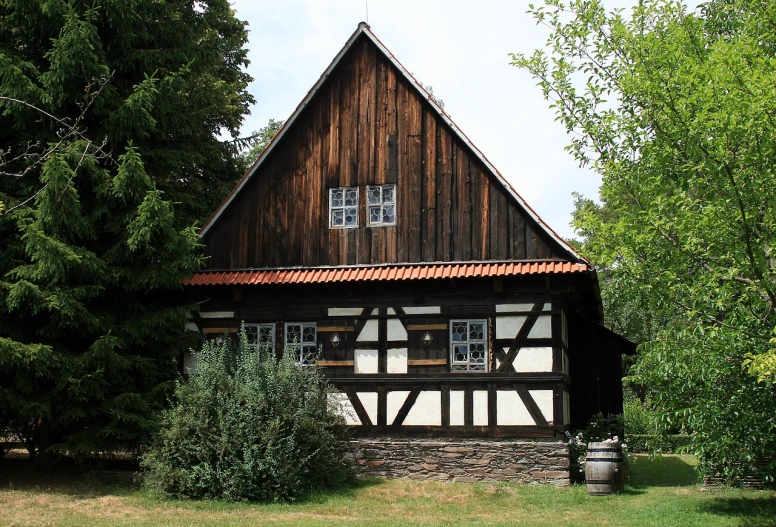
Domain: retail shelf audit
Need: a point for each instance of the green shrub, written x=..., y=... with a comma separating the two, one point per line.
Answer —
x=663, y=444
x=247, y=427
x=639, y=418
x=644, y=432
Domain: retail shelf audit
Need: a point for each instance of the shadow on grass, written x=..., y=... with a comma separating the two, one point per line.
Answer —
x=343, y=492
x=752, y=511
x=65, y=478
x=664, y=471
x=347, y=490
x=630, y=490
x=78, y=482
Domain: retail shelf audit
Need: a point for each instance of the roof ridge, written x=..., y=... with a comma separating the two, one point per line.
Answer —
x=364, y=29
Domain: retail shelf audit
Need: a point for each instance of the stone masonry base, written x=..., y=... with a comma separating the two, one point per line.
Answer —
x=464, y=460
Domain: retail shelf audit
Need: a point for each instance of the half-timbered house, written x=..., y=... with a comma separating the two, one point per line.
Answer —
x=372, y=238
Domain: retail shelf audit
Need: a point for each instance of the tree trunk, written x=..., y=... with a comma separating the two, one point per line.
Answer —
x=43, y=460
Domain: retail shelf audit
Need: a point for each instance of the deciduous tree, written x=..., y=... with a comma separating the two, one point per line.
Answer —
x=257, y=142
x=675, y=110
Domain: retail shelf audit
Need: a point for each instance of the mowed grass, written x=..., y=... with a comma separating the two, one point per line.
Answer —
x=661, y=492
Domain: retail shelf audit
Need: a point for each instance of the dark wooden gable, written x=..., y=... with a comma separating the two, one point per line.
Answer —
x=367, y=124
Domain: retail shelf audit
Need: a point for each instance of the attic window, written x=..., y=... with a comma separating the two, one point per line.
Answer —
x=381, y=203
x=343, y=208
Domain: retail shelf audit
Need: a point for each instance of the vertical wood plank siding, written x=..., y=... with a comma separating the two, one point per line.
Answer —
x=365, y=126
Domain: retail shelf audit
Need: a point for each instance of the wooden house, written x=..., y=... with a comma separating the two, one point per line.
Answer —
x=374, y=239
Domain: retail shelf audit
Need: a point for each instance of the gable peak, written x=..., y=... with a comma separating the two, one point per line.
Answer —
x=365, y=29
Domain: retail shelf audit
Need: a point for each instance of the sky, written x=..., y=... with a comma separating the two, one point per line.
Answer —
x=461, y=49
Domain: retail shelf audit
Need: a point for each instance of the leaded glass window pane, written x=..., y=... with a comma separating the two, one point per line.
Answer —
x=374, y=196
x=351, y=217
x=469, y=345
x=337, y=197
x=351, y=197
x=302, y=341
x=343, y=208
x=389, y=214
x=261, y=337
x=460, y=331
x=382, y=205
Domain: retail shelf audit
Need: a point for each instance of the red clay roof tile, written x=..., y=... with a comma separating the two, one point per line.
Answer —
x=381, y=273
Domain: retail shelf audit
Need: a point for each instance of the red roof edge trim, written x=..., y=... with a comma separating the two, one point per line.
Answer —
x=382, y=273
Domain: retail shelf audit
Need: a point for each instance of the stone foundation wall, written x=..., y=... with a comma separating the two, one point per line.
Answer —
x=464, y=460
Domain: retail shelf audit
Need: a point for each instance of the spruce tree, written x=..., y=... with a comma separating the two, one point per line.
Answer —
x=111, y=151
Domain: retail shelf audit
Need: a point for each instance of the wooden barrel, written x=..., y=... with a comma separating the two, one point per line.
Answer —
x=604, y=469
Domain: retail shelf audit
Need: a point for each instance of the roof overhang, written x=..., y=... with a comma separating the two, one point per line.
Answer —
x=606, y=338
x=387, y=272
x=364, y=29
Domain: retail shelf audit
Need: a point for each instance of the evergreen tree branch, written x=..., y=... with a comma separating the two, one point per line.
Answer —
x=67, y=133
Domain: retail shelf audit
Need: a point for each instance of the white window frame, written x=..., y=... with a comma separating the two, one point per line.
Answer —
x=256, y=346
x=381, y=205
x=298, y=347
x=342, y=208
x=468, y=366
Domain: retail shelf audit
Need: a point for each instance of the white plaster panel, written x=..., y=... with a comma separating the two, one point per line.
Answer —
x=391, y=311
x=369, y=332
x=376, y=311
x=396, y=330
x=533, y=359
x=427, y=410
x=216, y=314
x=507, y=308
x=365, y=361
x=344, y=408
x=369, y=402
x=345, y=311
x=565, y=362
x=480, y=408
x=547, y=307
x=189, y=362
x=510, y=409
x=397, y=360
x=191, y=326
x=566, y=408
x=543, y=400
x=394, y=402
x=456, y=408
x=507, y=327
x=542, y=329
x=422, y=310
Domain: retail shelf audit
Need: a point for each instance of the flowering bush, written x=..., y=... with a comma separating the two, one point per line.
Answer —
x=599, y=429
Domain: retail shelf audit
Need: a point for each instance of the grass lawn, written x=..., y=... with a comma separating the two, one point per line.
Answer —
x=661, y=492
